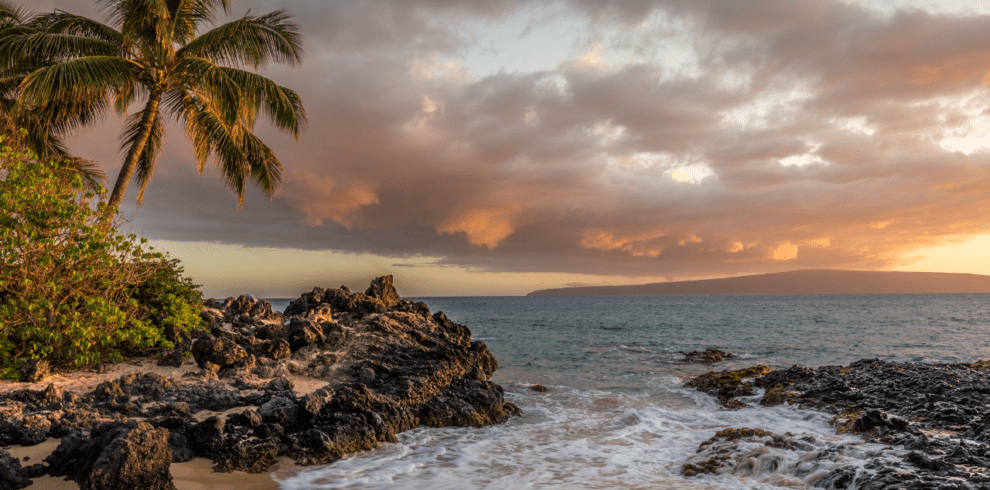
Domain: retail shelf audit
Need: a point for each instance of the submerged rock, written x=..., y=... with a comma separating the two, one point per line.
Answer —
x=727, y=385
x=709, y=356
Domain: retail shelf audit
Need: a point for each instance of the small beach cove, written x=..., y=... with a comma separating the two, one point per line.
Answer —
x=601, y=385
x=616, y=413
x=337, y=372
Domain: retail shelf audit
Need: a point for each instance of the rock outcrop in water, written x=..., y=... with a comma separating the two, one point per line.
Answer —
x=387, y=365
x=933, y=418
x=709, y=356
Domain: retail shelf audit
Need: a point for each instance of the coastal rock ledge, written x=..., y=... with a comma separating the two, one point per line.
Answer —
x=337, y=372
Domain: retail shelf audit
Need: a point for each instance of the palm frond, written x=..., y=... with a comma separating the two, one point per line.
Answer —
x=188, y=15
x=282, y=105
x=203, y=77
x=91, y=172
x=212, y=137
x=65, y=23
x=11, y=14
x=204, y=11
x=145, y=23
x=266, y=170
x=44, y=48
x=78, y=81
x=205, y=128
x=252, y=41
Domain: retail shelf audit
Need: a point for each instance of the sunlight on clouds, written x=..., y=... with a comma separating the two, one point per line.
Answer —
x=787, y=251
x=810, y=157
x=856, y=124
x=554, y=84
x=607, y=132
x=956, y=7
x=593, y=56
x=419, y=126
x=691, y=174
x=770, y=109
x=321, y=198
x=959, y=254
x=963, y=121
x=803, y=160
x=604, y=240
x=482, y=227
x=966, y=144
x=430, y=67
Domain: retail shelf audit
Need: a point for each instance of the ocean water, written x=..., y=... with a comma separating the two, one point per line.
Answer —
x=616, y=416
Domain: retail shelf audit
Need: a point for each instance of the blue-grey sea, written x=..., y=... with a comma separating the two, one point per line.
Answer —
x=616, y=416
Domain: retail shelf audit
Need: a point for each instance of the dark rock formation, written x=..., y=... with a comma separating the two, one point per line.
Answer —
x=387, y=364
x=211, y=351
x=885, y=402
x=11, y=474
x=726, y=385
x=382, y=289
x=709, y=356
x=116, y=456
x=34, y=371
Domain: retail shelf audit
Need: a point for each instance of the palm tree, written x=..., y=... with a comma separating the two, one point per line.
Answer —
x=158, y=52
x=37, y=129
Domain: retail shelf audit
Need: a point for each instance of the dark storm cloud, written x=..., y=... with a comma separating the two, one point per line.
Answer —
x=587, y=167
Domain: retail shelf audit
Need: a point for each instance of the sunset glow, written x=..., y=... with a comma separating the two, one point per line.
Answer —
x=501, y=147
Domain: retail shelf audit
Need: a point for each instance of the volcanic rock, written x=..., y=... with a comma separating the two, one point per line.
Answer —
x=34, y=371
x=370, y=365
x=709, y=356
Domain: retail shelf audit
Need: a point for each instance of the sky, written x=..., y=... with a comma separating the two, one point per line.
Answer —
x=497, y=147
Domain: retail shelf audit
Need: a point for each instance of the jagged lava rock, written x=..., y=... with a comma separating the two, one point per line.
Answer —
x=116, y=456
x=709, y=356
x=889, y=403
x=380, y=365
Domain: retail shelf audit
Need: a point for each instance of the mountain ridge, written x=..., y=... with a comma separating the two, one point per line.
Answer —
x=806, y=281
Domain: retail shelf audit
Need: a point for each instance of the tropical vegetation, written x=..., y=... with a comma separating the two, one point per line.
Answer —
x=73, y=289
x=45, y=128
x=161, y=56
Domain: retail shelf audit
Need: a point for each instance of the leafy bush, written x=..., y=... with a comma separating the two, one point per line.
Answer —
x=170, y=298
x=72, y=289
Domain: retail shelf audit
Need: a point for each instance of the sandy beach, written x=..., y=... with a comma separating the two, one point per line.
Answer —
x=196, y=474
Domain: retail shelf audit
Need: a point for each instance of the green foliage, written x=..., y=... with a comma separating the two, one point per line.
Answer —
x=68, y=70
x=170, y=298
x=72, y=288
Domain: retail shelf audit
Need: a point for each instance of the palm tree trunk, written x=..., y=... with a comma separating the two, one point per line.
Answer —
x=134, y=153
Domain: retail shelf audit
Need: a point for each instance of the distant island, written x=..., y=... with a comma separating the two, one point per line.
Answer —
x=815, y=281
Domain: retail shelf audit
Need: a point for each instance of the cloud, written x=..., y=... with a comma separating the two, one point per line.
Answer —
x=679, y=138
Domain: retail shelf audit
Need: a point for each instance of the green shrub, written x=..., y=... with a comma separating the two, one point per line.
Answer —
x=73, y=290
x=170, y=298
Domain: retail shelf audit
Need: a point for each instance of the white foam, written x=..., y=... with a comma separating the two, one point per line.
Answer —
x=587, y=440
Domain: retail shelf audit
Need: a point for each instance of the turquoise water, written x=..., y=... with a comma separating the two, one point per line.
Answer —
x=616, y=416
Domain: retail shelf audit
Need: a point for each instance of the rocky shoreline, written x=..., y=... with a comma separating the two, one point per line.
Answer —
x=373, y=365
x=930, y=424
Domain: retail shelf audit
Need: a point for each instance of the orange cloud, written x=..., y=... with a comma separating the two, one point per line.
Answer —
x=322, y=198
x=482, y=227
x=787, y=251
x=410, y=152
